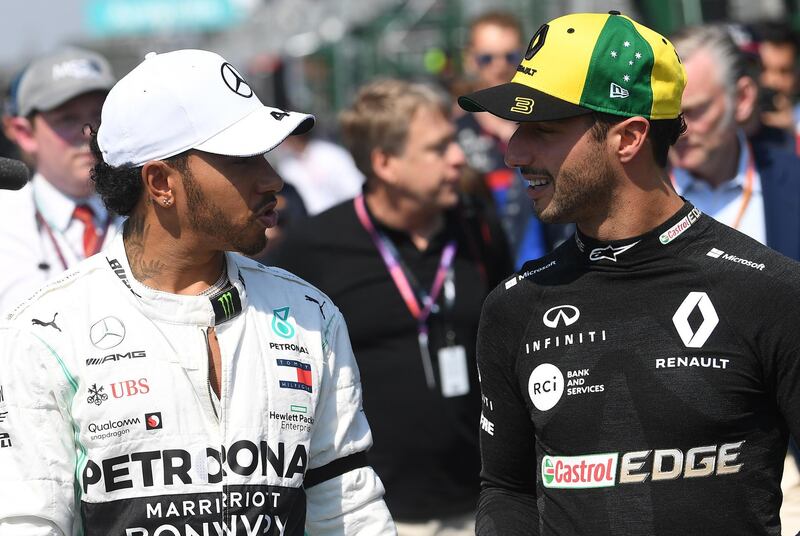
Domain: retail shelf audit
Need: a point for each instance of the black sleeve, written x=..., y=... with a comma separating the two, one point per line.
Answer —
x=507, y=503
x=779, y=343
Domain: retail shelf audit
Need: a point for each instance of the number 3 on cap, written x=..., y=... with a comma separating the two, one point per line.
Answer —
x=522, y=105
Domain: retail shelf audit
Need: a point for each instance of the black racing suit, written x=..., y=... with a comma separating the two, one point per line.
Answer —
x=641, y=387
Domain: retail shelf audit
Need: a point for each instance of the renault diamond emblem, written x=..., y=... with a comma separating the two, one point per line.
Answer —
x=695, y=338
x=235, y=82
x=561, y=314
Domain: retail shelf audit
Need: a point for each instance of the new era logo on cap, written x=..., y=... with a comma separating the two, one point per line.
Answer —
x=618, y=92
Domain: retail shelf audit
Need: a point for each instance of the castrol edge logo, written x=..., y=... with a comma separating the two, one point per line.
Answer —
x=576, y=472
x=637, y=467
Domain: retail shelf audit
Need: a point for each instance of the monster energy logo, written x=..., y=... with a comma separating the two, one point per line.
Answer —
x=226, y=301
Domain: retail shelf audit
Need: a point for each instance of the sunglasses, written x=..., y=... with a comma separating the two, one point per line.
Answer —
x=511, y=58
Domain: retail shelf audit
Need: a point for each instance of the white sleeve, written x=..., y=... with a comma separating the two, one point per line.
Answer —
x=37, y=456
x=344, y=495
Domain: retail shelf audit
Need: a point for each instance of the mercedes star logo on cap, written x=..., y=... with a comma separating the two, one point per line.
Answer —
x=235, y=81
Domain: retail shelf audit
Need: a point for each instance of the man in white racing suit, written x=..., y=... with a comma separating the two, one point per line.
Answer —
x=168, y=386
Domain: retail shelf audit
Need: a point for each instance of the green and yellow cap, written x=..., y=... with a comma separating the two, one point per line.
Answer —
x=587, y=62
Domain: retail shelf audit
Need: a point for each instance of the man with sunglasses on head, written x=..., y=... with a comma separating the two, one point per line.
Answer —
x=55, y=221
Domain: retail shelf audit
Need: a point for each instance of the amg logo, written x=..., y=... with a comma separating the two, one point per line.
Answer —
x=176, y=466
x=135, y=354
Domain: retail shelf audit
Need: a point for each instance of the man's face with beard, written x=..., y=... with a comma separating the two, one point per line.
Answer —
x=569, y=176
x=231, y=200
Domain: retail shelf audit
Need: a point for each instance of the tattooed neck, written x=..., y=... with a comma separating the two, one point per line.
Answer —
x=134, y=236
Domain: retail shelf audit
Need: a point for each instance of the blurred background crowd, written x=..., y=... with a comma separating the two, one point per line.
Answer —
x=398, y=140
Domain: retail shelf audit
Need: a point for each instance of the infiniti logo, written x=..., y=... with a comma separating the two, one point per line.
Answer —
x=235, y=82
x=107, y=333
x=565, y=314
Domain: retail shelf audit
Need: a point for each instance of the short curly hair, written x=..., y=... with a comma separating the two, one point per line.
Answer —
x=121, y=187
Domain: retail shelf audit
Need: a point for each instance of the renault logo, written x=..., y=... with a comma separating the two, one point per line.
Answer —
x=690, y=337
x=235, y=82
x=561, y=314
x=107, y=333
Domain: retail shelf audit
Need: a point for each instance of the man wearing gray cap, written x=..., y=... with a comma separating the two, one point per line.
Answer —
x=181, y=388
x=56, y=221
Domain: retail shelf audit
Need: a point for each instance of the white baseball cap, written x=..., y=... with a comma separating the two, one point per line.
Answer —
x=189, y=99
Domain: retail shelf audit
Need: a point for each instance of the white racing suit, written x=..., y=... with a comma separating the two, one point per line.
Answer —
x=109, y=426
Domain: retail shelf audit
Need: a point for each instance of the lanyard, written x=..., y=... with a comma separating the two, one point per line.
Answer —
x=43, y=223
x=420, y=311
x=747, y=190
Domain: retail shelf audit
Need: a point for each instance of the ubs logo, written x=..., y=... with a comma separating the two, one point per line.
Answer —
x=234, y=81
x=561, y=314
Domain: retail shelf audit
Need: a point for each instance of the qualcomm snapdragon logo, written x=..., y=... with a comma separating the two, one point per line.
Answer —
x=695, y=338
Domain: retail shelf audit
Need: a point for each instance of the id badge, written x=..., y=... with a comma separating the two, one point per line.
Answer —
x=453, y=373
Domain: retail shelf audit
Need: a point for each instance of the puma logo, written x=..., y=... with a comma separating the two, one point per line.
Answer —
x=52, y=323
x=320, y=305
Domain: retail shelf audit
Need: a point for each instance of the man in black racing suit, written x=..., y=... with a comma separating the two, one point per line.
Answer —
x=642, y=379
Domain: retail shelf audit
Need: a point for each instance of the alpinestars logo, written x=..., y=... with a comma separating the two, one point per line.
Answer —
x=561, y=314
x=690, y=337
x=609, y=252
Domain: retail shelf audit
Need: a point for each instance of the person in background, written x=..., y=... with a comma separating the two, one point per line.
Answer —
x=409, y=265
x=491, y=57
x=56, y=220
x=751, y=186
x=322, y=172
x=778, y=50
x=9, y=112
